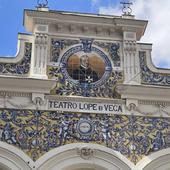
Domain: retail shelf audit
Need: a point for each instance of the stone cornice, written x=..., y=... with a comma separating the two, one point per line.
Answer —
x=144, y=92
x=14, y=94
x=54, y=17
x=150, y=102
x=85, y=99
x=28, y=85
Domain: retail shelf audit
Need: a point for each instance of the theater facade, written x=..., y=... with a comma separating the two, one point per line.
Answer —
x=82, y=94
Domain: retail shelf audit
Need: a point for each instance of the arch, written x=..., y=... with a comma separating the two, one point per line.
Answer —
x=13, y=158
x=2, y=166
x=68, y=158
x=158, y=161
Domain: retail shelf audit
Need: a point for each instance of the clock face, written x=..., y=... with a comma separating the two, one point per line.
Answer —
x=85, y=127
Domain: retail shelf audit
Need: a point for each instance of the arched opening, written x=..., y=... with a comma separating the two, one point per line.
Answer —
x=161, y=163
x=11, y=158
x=85, y=167
x=157, y=161
x=69, y=157
x=3, y=167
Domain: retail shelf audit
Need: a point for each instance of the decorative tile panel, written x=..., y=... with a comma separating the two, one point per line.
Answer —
x=150, y=77
x=20, y=68
x=64, y=87
x=98, y=79
x=57, y=45
x=37, y=132
x=113, y=49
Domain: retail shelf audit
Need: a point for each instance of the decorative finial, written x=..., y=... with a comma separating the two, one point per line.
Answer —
x=42, y=3
x=126, y=9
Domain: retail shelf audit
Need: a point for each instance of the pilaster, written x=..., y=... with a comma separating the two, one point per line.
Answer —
x=131, y=60
x=39, y=60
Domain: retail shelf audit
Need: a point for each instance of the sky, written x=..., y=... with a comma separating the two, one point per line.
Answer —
x=155, y=11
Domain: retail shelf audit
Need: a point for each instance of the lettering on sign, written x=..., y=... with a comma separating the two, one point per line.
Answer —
x=84, y=107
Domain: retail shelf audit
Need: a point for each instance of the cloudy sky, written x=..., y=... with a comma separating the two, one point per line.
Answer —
x=158, y=30
x=156, y=11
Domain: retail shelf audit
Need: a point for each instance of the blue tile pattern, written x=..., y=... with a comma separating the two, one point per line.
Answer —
x=149, y=77
x=37, y=132
x=20, y=68
x=113, y=49
x=104, y=87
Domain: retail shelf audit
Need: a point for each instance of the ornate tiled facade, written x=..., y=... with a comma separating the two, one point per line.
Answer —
x=65, y=86
x=83, y=80
x=37, y=132
x=20, y=68
x=57, y=45
x=149, y=77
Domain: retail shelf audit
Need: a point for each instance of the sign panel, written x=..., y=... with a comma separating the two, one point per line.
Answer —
x=75, y=106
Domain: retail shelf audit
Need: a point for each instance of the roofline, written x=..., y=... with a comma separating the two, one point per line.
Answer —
x=77, y=13
x=86, y=14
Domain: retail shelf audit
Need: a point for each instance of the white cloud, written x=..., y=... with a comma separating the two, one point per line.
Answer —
x=158, y=31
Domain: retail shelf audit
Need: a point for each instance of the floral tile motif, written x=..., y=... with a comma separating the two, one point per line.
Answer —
x=57, y=45
x=113, y=49
x=150, y=77
x=20, y=68
x=37, y=132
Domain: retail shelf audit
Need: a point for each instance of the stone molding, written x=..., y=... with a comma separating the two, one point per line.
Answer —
x=84, y=99
x=152, y=93
x=108, y=23
x=12, y=158
x=14, y=94
x=29, y=85
x=150, y=102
